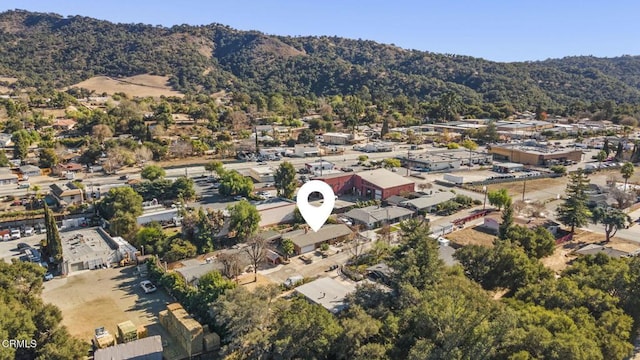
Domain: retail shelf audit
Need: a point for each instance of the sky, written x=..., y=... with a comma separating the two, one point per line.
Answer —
x=498, y=30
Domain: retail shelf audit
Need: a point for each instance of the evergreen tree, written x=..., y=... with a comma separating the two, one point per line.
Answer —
x=507, y=221
x=385, y=128
x=606, y=148
x=619, y=152
x=53, y=246
x=574, y=211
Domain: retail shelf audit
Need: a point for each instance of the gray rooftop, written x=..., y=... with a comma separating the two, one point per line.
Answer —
x=194, y=269
x=86, y=245
x=149, y=348
x=593, y=249
x=429, y=201
x=384, y=178
x=373, y=214
x=329, y=293
x=326, y=233
x=445, y=253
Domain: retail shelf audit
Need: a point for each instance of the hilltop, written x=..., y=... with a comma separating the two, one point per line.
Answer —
x=49, y=50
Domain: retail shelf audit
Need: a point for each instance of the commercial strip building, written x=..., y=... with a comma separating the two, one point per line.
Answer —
x=378, y=184
x=262, y=174
x=533, y=153
x=443, y=160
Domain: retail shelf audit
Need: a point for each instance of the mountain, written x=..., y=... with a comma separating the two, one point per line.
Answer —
x=49, y=50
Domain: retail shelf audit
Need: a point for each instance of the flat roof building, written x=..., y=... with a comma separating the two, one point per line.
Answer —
x=327, y=292
x=149, y=348
x=533, y=153
x=262, y=174
x=92, y=248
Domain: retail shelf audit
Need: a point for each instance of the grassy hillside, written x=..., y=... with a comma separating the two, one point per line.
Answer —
x=48, y=50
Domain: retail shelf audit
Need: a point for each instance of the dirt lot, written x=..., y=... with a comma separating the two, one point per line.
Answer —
x=104, y=297
x=472, y=236
x=139, y=85
x=515, y=188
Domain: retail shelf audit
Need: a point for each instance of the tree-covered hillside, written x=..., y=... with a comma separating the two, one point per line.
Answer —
x=49, y=50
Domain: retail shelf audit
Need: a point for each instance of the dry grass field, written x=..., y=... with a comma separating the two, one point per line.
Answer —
x=515, y=188
x=471, y=236
x=137, y=86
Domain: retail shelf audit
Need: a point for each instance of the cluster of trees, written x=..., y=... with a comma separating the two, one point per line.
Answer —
x=454, y=205
x=574, y=212
x=161, y=189
x=435, y=312
x=26, y=317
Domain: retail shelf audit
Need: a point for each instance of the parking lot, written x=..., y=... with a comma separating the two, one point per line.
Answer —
x=106, y=297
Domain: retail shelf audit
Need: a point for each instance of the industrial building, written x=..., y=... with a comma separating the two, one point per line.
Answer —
x=533, y=153
x=443, y=160
x=92, y=249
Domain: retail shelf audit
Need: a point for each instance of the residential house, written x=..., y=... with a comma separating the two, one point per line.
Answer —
x=327, y=292
x=5, y=140
x=7, y=177
x=428, y=204
x=492, y=223
x=64, y=124
x=194, y=269
x=375, y=216
x=67, y=194
x=305, y=241
x=593, y=249
x=62, y=169
x=29, y=171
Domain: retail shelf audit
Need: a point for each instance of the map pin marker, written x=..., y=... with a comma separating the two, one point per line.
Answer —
x=316, y=216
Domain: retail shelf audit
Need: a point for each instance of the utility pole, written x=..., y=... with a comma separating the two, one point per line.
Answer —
x=484, y=205
x=524, y=188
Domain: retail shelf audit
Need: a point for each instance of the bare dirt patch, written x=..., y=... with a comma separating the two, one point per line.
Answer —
x=246, y=281
x=563, y=255
x=515, y=188
x=139, y=85
x=472, y=236
x=8, y=80
x=104, y=297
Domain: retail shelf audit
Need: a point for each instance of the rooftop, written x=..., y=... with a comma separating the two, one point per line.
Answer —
x=85, y=245
x=384, y=178
x=374, y=214
x=326, y=233
x=593, y=249
x=329, y=293
x=429, y=201
x=194, y=269
x=136, y=349
x=535, y=148
x=263, y=170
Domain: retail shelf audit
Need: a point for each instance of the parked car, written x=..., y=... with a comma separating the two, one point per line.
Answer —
x=23, y=246
x=48, y=276
x=124, y=177
x=15, y=234
x=239, y=198
x=148, y=286
x=29, y=231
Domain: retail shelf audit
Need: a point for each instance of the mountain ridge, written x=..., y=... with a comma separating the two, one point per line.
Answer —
x=49, y=50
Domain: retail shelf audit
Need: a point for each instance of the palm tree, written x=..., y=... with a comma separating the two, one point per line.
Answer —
x=627, y=171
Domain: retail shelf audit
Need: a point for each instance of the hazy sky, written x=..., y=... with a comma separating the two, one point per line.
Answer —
x=500, y=30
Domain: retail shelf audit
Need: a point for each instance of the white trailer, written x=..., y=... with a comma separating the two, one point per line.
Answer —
x=162, y=216
x=458, y=180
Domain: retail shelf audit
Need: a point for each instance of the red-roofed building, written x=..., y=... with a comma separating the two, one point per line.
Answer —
x=378, y=184
x=64, y=124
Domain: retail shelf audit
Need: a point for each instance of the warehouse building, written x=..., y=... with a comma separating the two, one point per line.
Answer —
x=533, y=153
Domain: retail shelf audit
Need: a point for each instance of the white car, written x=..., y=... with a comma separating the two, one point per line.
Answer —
x=148, y=286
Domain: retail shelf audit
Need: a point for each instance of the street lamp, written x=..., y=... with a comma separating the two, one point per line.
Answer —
x=484, y=205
